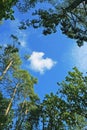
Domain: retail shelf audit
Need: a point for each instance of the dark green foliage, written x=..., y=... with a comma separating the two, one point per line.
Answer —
x=67, y=109
x=74, y=89
x=6, y=10
x=4, y=120
x=69, y=15
x=18, y=85
x=11, y=49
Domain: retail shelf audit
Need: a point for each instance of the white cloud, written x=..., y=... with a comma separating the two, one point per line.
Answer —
x=79, y=57
x=23, y=43
x=39, y=64
x=22, y=35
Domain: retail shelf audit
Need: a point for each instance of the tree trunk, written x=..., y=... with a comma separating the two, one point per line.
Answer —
x=21, y=118
x=6, y=69
x=9, y=105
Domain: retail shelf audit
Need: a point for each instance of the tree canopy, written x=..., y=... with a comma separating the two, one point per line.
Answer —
x=16, y=84
x=6, y=10
x=67, y=109
x=20, y=106
x=70, y=15
x=5, y=121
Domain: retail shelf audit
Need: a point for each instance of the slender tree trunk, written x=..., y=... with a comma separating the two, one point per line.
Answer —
x=6, y=69
x=43, y=123
x=9, y=105
x=21, y=118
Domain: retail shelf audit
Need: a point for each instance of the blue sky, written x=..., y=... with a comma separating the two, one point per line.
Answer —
x=51, y=58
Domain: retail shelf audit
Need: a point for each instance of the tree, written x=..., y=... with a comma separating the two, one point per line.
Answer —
x=6, y=11
x=74, y=92
x=5, y=121
x=67, y=109
x=52, y=112
x=30, y=118
x=16, y=84
x=70, y=15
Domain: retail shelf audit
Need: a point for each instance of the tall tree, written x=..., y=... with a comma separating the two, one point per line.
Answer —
x=16, y=84
x=67, y=109
x=74, y=93
x=74, y=89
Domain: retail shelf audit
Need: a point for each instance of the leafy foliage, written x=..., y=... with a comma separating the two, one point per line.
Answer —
x=5, y=121
x=17, y=84
x=70, y=15
x=6, y=10
x=67, y=109
x=74, y=93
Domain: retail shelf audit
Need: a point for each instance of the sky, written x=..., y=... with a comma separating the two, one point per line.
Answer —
x=51, y=56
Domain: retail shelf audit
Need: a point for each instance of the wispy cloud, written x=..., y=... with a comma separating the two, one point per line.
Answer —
x=23, y=43
x=39, y=64
x=22, y=35
x=79, y=57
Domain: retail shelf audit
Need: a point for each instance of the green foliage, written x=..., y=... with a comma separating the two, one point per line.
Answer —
x=74, y=92
x=74, y=89
x=51, y=112
x=70, y=15
x=4, y=120
x=6, y=10
x=67, y=109
x=17, y=84
x=30, y=116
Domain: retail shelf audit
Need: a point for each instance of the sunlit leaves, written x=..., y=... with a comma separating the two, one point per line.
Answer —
x=17, y=84
x=67, y=109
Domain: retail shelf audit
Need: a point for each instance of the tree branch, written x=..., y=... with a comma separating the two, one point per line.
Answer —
x=74, y=4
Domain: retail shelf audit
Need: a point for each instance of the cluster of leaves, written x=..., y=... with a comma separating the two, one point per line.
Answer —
x=6, y=10
x=16, y=84
x=67, y=109
x=70, y=15
x=4, y=120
